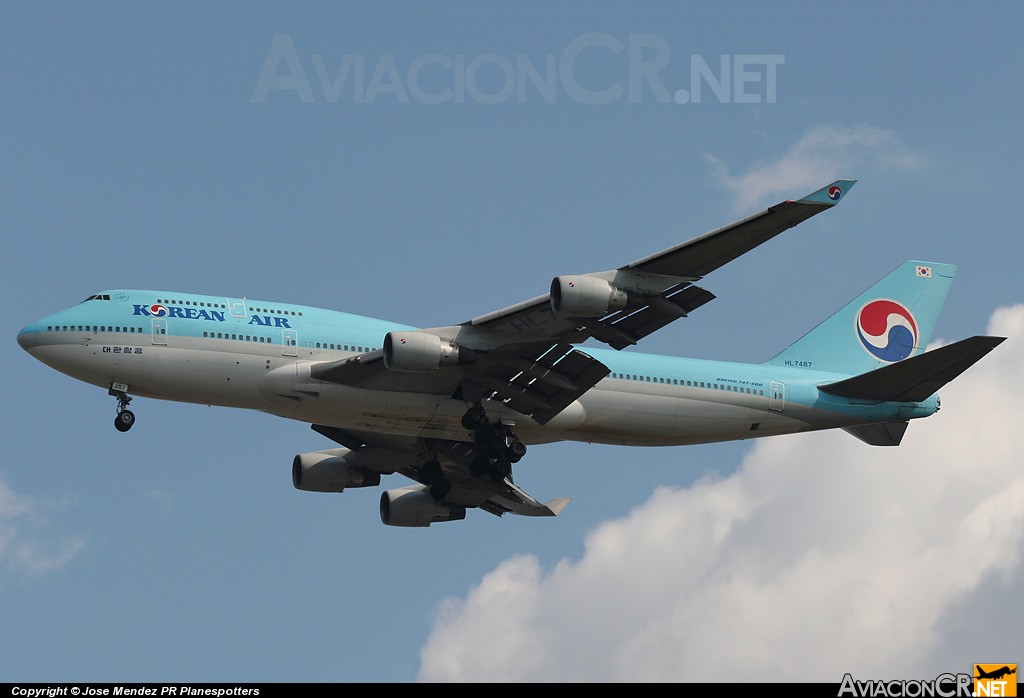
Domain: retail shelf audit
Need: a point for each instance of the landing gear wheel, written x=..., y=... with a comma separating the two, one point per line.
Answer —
x=124, y=420
x=501, y=469
x=516, y=450
x=474, y=417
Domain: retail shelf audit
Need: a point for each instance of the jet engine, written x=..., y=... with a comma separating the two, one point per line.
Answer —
x=585, y=296
x=329, y=471
x=413, y=506
x=418, y=351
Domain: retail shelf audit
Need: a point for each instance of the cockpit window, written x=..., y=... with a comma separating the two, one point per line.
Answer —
x=98, y=297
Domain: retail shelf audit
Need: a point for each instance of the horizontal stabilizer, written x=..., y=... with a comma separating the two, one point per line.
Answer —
x=917, y=378
x=885, y=434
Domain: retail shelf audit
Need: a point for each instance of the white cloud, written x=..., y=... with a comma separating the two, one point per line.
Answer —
x=819, y=556
x=26, y=541
x=824, y=154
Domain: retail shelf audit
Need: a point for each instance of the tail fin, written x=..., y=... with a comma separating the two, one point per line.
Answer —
x=891, y=321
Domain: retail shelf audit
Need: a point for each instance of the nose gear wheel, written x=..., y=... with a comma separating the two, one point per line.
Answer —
x=125, y=418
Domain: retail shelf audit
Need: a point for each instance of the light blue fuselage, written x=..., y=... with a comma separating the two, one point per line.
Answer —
x=257, y=354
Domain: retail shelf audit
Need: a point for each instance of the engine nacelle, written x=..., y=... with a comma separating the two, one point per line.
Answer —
x=418, y=351
x=413, y=506
x=329, y=471
x=585, y=296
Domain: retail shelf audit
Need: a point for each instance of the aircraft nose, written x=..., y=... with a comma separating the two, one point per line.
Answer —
x=24, y=337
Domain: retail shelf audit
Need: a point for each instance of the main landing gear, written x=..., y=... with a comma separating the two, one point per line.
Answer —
x=499, y=445
x=125, y=417
x=498, y=448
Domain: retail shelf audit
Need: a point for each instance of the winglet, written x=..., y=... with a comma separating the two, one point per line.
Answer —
x=831, y=194
x=555, y=506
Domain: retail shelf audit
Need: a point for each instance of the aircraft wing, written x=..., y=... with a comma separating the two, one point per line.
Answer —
x=659, y=288
x=523, y=355
x=539, y=379
x=497, y=495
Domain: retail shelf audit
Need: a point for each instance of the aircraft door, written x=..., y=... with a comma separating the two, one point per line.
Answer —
x=776, y=396
x=289, y=343
x=236, y=307
x=159, y=330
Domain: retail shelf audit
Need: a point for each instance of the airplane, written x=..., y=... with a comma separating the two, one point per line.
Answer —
x=454, y=408
x=996, y=674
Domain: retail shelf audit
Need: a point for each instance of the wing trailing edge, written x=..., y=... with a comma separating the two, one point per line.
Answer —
x=917, y=378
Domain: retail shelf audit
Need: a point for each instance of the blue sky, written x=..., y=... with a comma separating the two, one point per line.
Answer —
x=147, y=146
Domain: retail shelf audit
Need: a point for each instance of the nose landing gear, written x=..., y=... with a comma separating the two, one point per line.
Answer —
x=125, y=417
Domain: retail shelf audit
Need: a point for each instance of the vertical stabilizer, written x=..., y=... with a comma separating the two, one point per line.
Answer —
x=891, y=321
